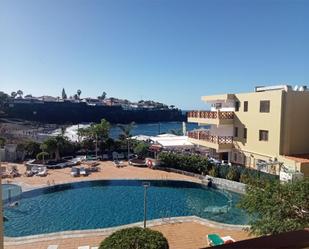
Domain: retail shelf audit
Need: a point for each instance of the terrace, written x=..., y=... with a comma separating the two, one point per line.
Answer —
x=204, y=138
x=211, y=117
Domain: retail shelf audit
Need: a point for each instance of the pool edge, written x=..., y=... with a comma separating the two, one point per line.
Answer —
x=9, y=241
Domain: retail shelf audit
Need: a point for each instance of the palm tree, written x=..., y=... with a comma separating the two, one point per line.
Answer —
x=96, y=132
x=79, y=92
x=20, y=93
x=41, y=156
x=126, y=134
x=54, y=145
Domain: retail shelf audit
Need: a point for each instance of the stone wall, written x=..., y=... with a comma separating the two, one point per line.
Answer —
x=219, y=183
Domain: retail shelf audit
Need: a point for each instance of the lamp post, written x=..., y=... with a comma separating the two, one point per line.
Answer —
x=145, y=185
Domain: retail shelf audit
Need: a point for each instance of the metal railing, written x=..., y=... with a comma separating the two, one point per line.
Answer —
x=206, y=136
x=211, y=114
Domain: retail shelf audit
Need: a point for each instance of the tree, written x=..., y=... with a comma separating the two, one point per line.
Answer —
x=54, y=146
x=31, y=148
x=63, y=94
x=13, y=95
x=20, y=93
x=141, y=149
x=135, y=238
x=103, y=96
x=126, y=134
x=79, y=92
x=96, y=132
x=3, y=99
x=275, y=207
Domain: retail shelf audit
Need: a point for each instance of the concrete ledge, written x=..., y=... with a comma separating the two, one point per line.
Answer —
x=219, y=183
x=11, y=241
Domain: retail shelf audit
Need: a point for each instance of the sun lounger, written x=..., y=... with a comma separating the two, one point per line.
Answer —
x=84, y=247
x=94, y=247
x=74, y=172
x=214, y=240
x=228, y=239
x=83, y=171
x=52, y=247
x=42, y=171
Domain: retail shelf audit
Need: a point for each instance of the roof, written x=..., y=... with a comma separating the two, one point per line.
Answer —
x=220, y=97
x=141, y=137
x=303, y=158
x=171, y=140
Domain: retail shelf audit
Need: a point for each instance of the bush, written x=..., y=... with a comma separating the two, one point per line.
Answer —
x=214, y=171
x=190, y=163
x=233, y=174
x=135, y=238
x=245, y=177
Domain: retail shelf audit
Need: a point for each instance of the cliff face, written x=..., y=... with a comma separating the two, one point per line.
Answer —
x=67, y=112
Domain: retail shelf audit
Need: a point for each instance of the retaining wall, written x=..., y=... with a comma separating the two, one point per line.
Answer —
x=219, y=183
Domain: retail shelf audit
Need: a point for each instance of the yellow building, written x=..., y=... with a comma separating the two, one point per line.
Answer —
x=267, y=129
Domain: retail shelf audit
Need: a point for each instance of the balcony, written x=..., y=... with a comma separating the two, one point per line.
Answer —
x=211, y=117
x=204, y=138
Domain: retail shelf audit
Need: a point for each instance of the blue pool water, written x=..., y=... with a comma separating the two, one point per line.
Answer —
x=102, y=204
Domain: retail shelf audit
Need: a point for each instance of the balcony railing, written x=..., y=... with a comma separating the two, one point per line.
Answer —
x=211, y=115
x=204, y=135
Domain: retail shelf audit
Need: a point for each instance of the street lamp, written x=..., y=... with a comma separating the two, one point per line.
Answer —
x=145, y=185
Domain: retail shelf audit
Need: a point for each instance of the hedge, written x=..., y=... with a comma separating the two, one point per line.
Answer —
x=191, y=163
x=201, y=165
x=135, y=238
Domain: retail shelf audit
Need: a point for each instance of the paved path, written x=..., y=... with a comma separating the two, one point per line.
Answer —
x=188, y=235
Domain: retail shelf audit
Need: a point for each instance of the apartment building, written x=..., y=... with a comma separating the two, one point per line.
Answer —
x=266, y=129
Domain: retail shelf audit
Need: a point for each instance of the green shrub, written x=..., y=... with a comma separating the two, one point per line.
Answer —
x=190, y=163
x=233, y=174
x=245, y=177
x=135, y=238
x=214, y=171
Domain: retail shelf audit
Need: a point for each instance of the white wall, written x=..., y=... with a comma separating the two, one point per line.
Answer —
x=222, y=130
x=227, y=106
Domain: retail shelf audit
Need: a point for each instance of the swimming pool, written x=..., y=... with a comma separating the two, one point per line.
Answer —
x=108, y=203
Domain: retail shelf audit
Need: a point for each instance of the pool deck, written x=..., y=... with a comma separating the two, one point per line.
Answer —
x=182, y=233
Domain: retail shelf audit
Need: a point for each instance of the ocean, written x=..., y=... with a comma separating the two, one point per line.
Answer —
x=150, y=129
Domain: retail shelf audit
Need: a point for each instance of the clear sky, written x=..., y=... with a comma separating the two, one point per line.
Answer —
x=172, y=51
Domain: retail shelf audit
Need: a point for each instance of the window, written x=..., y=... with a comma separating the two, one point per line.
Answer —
x=263, y=135
x=245, y=133
x=236, y=132
x=264, y=106
x=245, y=106
x=237, y=105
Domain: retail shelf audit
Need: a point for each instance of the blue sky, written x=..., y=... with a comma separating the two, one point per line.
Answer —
x=172, y=51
